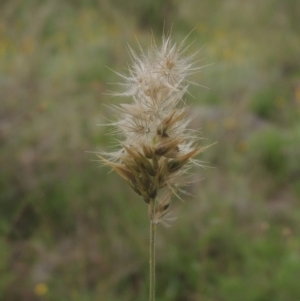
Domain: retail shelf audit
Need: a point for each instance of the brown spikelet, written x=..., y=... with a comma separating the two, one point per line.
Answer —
x=179, y=162
x=167, y=146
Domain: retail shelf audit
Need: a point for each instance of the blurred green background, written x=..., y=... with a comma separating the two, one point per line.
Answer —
x=70, y=230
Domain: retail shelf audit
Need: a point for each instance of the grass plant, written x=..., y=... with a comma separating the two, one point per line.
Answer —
x=158, y=149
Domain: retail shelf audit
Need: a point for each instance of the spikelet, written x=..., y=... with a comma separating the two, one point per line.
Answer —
x=157, y=149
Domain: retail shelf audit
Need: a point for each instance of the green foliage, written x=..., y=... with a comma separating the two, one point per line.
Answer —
x=274, y=153
x=267, y=148
x=264, y=104
x=7, y=274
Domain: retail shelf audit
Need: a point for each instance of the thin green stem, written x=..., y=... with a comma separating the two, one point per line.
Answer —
x=152, y=258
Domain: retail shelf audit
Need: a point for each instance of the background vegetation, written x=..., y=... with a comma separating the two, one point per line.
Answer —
x=72, y=231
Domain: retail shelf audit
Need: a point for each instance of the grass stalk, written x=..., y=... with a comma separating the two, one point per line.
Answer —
x=152, y=260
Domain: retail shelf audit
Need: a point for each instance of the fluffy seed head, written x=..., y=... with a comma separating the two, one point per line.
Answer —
x=157, y=148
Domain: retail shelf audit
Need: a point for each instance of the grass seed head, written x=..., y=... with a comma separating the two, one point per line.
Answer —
x=157, y=147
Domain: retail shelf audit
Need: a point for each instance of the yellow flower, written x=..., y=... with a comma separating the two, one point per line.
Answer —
x=41, y=289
